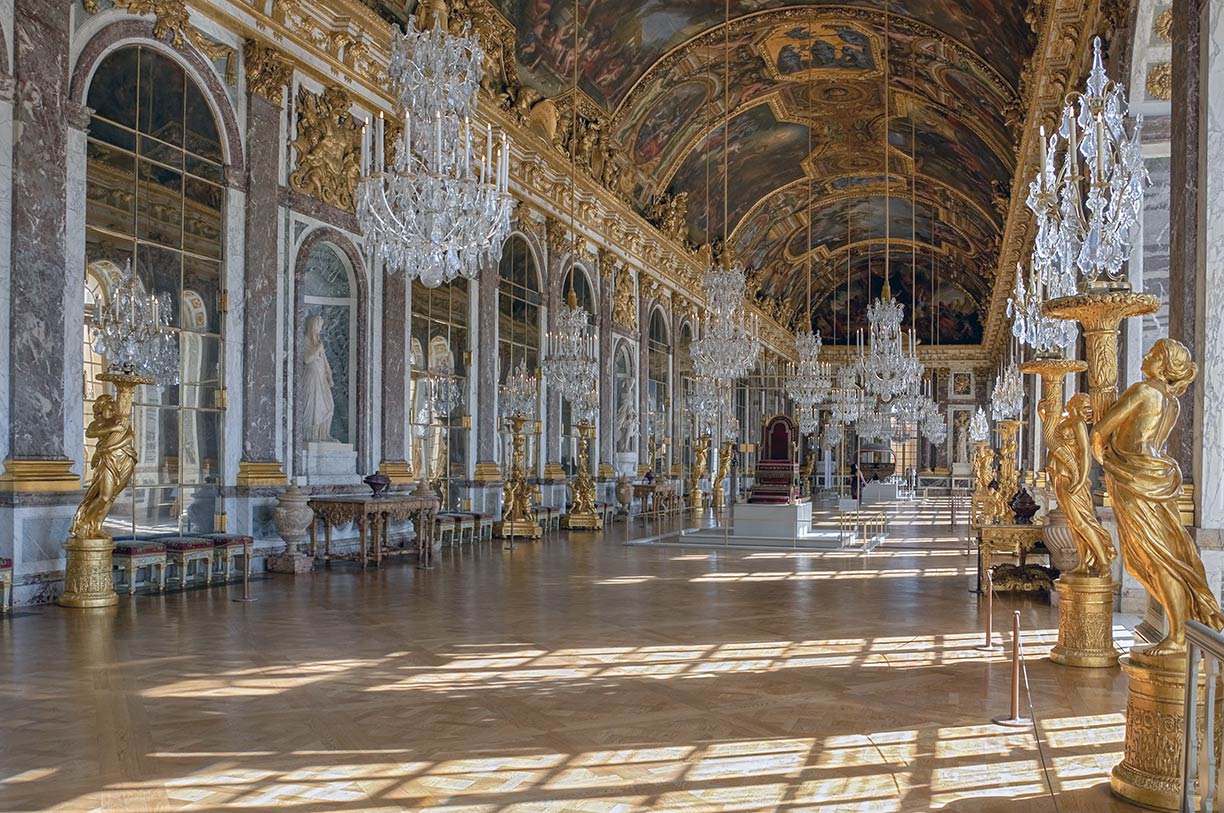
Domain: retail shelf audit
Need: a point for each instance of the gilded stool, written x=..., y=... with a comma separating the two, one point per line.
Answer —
x=227, y=548
x=130, y=555
x=181, y=551
x=6, y=585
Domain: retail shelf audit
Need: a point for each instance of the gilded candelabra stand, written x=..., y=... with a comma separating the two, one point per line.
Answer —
x=87, y=574
x=583, y=514
x=983, y=475
x=719, y=493
x=518, y=496
x=1008, y=476
x=701, y=452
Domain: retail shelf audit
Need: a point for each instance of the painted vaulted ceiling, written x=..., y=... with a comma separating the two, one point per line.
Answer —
x=803, y=133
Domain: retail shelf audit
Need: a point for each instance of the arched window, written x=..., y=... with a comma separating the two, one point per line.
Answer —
x=658, y=396
x=518, y=317
x=438, y=416
x=155, y=198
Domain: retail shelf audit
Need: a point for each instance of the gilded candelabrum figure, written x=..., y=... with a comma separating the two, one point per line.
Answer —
x=983, y=476
x=701, y=452
x=724, y=470
x=1144, y=482
x=1008, y=478
x=582, y=512
x=1068, y=464
x=113, y=461
x=517, y=493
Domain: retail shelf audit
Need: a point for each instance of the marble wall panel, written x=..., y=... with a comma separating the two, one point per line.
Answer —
x=1210, y=350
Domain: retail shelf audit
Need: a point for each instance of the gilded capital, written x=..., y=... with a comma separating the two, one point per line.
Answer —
x=267, y=71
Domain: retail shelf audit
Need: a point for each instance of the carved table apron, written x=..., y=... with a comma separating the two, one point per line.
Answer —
x=373, y=516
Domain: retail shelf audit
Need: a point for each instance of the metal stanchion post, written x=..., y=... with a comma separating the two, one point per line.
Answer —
x=1014, y=720
x=246, y=575
x=990, y=645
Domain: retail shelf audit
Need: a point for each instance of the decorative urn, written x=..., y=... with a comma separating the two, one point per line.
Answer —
x=378, y=482
x=624, y=492
x=1023, y=507
x=292, y=517
x=1058, y=540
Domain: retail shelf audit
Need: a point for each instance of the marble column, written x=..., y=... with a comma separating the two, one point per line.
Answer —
x=1209, y=345
x=38, y=295
x=486, y=375
x=1184, y=209
x=394, y=369
x=261, y=463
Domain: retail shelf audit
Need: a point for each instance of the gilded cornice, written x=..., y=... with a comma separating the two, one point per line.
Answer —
x=171, y=24
x=1058, y=61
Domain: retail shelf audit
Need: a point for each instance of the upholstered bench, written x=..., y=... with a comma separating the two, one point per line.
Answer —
x=607, y=510
x=6, y=585
x=226, y=550
x=484, y=526
x=463, y=524
x=445, y=526
x=130, y=555
x=181, y=551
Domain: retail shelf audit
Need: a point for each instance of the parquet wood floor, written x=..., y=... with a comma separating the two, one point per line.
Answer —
x=576, y=674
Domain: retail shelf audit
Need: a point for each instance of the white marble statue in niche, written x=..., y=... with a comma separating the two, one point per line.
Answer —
x=318, y=403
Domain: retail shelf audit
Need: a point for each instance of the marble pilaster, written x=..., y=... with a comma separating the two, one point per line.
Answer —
x=487, y=454
x=1184, y=179
x=38, y=294
x=394, y=372
x=261, y=295
x=607, y=367
x=1209, y=347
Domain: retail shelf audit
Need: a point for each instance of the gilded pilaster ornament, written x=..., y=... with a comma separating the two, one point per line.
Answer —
x=1163, y=27
x=1160, y=81
x=557, y=237
x=624, y=301
x=267, y=71
x=328, y=148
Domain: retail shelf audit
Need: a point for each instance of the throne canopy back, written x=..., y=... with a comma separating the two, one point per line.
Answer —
x=778, y=440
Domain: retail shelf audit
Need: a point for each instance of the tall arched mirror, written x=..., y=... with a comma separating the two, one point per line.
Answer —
x=658, y=391
x=578, y=281
x=518, y=322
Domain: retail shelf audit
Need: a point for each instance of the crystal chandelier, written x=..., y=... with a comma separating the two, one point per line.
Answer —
x=886, y=369
x=808, y=382
x=934, y=425
x=1088, y=194
x=519, y=394
x=809, y=419
x=846, y=398
x=832, y=435
x=704, y=404
x=442, y=206
x=875, y=425
x=728, y=346
x=979, y=428
x=1008, y=395
x=1040, y=332
x=570, y=364
x=132, y=332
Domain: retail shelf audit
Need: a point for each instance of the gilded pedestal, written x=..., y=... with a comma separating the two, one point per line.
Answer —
x=1099, y=314
x=1085, y=621
x=87, y=577
x=583, y=514
x=1150, y=772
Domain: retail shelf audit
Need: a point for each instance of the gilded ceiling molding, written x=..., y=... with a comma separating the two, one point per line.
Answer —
x=172, y=26
x=267, y=71
x=1060, y=58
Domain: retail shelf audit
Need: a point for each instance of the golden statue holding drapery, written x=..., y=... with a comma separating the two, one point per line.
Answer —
x=1068, y=463
x=1144, y=482
x=113, y=462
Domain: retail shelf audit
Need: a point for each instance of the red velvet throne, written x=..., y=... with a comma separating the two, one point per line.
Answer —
x=777, y=468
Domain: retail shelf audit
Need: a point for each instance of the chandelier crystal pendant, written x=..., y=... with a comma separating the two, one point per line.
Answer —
x=132, y=332
x=1088, y=194
x=729, y=343
x=1007, y=398
x=1044, y=334
x=441, y=207
x=570, y=364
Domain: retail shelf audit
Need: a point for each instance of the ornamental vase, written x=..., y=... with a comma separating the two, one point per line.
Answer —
x=1058, y=540
x=292, y=517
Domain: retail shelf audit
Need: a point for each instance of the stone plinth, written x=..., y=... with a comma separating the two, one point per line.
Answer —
x=773, y=521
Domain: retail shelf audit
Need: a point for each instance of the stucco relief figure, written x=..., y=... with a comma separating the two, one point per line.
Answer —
x=626, y=418
x=113, y=462
x=328, y=148
x=1068, y=465
x=318, y=404
x=1144, y=483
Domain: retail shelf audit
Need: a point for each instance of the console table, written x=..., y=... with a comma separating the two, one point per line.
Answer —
x=373, y=516
x=1013, y=541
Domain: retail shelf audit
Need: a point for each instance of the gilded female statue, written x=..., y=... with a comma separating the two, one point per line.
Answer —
x=1068, y=465
x=113, y=462
x=1145, y=483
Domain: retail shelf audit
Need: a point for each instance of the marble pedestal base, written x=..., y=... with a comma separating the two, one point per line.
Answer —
x=1150, y=771
x=292, y=563
x=1085, y=622
x=330, y=463
x=626, y=463
x=87, y=575
x=877, y=492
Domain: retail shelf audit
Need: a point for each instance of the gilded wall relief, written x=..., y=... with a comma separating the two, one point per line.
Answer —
x=328, y=147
